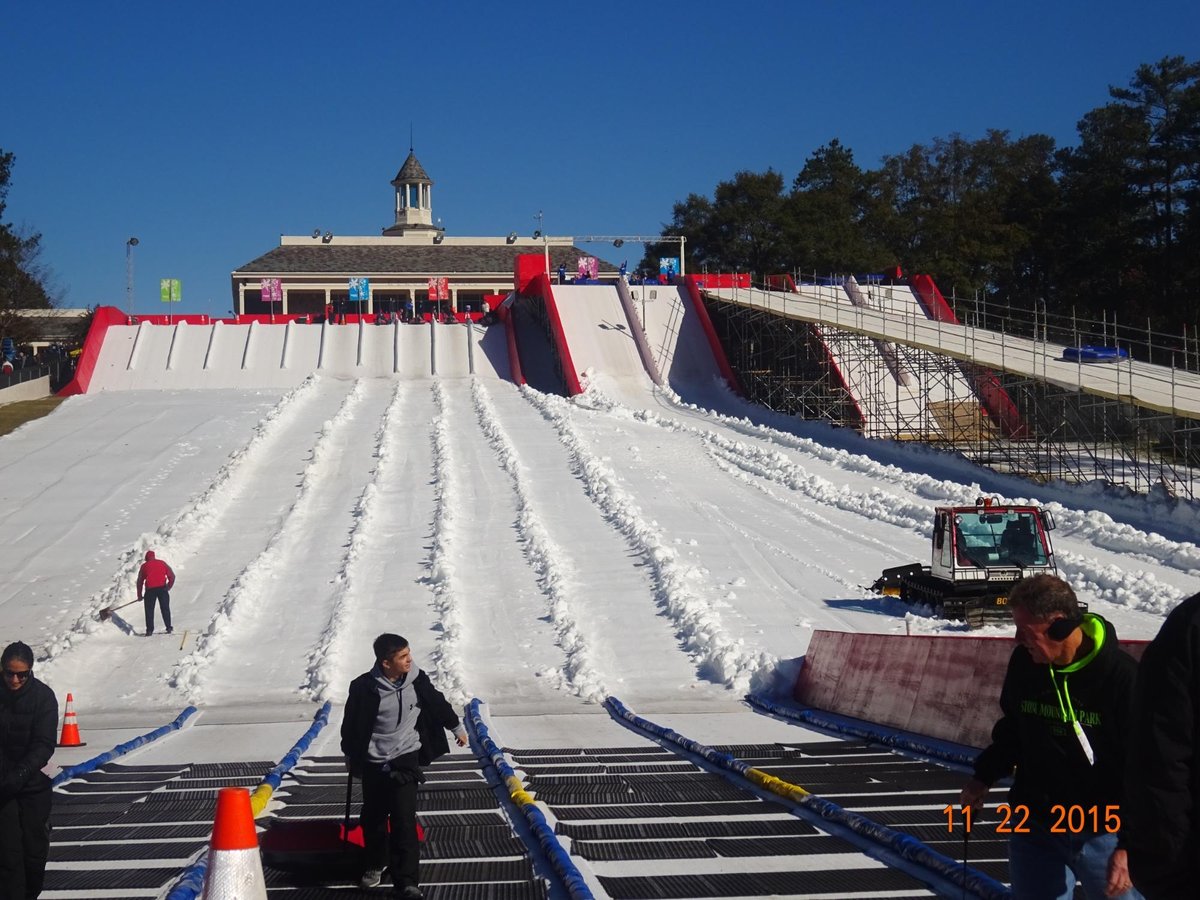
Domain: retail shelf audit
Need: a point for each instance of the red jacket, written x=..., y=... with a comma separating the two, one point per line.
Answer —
x=154, y=573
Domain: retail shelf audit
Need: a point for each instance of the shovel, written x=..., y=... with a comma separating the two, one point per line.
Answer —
x=106, y=613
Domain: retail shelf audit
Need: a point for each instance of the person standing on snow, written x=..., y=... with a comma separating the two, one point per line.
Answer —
x=395, y=722
x=156, y=577
x=28, y=714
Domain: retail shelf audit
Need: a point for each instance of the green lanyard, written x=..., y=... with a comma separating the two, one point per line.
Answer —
x=1068, y=715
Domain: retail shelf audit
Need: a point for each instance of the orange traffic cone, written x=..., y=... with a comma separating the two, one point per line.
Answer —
x=70, y=730
x=234, y=867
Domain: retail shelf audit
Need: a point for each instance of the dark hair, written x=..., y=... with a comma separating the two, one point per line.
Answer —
x=387, y=644
x=1043, y=596
x=19, y=651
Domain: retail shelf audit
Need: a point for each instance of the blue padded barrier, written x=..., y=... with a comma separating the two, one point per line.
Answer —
x=191, y=881
x=959, y=754
x=908, y=849
x=121, y=749
x=559, y=858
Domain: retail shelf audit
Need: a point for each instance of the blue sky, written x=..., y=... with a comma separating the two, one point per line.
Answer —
x=207, y=130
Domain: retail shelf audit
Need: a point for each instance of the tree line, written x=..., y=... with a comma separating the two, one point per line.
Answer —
x=1109, y=226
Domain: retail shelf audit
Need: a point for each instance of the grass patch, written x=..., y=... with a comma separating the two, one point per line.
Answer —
x=14, y=415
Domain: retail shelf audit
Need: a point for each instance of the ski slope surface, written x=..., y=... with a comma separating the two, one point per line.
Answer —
x=539, y=553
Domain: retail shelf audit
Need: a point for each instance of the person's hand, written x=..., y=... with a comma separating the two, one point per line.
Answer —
x=973, y=794
x=1119, y=880
x=461, y=741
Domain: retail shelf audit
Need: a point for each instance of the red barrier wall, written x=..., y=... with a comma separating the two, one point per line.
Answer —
x=943, y=687
x=540, y=287
x=102, y=318
x=993, y=396
x=722, y=279
x=782, y=283
x=691, y=283
x=504, y=313
x=527, y=268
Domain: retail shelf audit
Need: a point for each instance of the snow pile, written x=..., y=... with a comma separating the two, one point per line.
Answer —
x=447, y=669
x=324, y=671
x=544, y=556
x=179, y=538
x=238, y=606
x=719, y=657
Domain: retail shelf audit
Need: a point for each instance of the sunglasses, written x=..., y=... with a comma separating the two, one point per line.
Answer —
x=20, y=676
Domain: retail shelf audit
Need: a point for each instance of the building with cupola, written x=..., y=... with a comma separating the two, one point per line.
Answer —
x=314, y=270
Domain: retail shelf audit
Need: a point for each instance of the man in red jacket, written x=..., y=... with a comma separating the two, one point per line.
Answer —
x=157, y=579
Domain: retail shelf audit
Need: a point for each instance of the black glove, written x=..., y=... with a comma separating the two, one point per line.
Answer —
x=407, y=776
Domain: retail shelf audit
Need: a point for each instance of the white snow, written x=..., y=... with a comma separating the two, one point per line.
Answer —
x=539, y=552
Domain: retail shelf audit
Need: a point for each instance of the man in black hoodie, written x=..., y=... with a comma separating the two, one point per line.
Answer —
x=28, y=715
x=1162, y=788
x=1067, y=709
x=395, y=722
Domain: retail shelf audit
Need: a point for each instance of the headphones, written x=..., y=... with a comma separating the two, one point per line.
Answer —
x=1060, y=629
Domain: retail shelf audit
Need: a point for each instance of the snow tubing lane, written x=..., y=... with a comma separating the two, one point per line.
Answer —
x=96, y=762
x=559, y=858
x=191, y=881
x=906, y=847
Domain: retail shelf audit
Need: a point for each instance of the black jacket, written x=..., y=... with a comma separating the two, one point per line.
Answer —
x=28, y=717
x=1032, y=738
x=437, y=717
x=1162, y=799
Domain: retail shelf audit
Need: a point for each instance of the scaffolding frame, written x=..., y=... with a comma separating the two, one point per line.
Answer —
x=1073, y=436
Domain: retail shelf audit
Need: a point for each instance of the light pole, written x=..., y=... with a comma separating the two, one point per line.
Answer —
x=129, y=245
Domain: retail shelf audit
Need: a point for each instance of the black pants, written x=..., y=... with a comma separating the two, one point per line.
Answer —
x=164, y=601
x=24, y=844
x=385, y=799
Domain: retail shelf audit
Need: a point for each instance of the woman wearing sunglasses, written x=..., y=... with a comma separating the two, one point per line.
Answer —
x=28, y=715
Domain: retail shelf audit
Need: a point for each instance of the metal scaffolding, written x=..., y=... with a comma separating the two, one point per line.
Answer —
x=790, y=366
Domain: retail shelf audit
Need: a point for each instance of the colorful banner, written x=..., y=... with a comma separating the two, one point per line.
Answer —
x=170, y=290
x=360, y=290
x=439, y=288
x=668, y=265
x=589, y=267
x=272, y=290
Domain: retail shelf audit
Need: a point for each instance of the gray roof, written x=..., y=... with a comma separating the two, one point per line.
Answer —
x=412, y=171
x=429, y=259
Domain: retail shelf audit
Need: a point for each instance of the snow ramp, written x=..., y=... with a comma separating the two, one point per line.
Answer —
x=258, y=355
x=679, y=346
x=600, y=335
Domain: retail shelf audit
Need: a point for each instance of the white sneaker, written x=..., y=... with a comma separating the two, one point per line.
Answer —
x=371, y=878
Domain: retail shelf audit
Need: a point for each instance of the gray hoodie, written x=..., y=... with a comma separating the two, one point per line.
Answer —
x=395, y=732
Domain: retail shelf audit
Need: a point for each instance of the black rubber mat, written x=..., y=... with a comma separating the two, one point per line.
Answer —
x=670, y=810
x=142, y=813
x=109, y=879
x=666, y=830
x=780, y=846
x=532, y=890
x=126, y=789
x=113, y=772
x=130, y=832
x=132, y=851
x=228, y=769
x=750, y=884
x=882, y=800
x=613, y=851
x=484, y=846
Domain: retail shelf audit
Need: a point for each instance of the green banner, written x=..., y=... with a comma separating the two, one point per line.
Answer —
x=170, y=290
